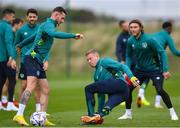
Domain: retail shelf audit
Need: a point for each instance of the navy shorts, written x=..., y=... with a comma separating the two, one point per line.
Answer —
x=111, y=86
x=156, y=76
x=6, y=70
x=22, y=72
x=34, y=68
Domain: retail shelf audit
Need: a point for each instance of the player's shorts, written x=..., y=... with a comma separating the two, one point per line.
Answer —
x=156, y=76
x=6, y=70
x=22, y=72
x=34, y=68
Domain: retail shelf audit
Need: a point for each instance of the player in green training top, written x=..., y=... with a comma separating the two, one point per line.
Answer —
x=7, y=57
x=151, y=63
x=35, y=58
x=108, y=79
x=164, y=38
x=27, y=30
x=16, y=24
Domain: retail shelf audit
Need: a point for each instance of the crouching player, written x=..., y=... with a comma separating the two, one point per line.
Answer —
x=108, y=80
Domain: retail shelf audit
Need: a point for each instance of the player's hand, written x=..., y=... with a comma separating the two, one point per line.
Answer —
x=166, y=75
x=123, y=62
x=18, y=49
x=9, y=61
x=79, y=36
x=13, y=64
x=45, y=65
x=135, y=82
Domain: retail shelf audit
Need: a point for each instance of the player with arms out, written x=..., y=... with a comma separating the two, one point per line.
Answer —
x=34, y=61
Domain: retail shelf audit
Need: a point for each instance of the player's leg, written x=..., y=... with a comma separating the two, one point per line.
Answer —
x=158, y=79
x=22, y=87
x=31, y=84
x=141, y=93
x=37, y=93
x=23, y=77
x=11, y=76
x=157, y=103
x=116, y=89
x=101, y=102
x=128, y=112
x=5, y=93
x=32, y=70
x=116, y=98
x=43, y=94
x=2, y=81
x=102, y=87
x=90, y=99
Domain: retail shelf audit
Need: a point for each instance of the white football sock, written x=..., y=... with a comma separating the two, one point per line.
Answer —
x=21, y=109
x=38, y=107
x=172, y=111
x=128, y=112
x=141, y=93
x=0, y=104
x=158, y=100
x=4, y=99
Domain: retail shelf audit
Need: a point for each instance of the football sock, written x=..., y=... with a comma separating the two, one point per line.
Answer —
x=128, y=111
x=158, y=100
x=141, y=93
x=38, y=107
x=21, y=109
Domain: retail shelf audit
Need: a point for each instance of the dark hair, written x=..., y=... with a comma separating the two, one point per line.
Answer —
x=8, y=11
x=31, y=10
x=121, y=22
x=17, y=21
x=59, y=9
x=167, y=24
x=137, y=22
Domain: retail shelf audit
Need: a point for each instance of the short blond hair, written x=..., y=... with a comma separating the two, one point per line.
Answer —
x=91, y=51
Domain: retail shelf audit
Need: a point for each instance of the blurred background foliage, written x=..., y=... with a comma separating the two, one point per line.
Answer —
x=100, y=32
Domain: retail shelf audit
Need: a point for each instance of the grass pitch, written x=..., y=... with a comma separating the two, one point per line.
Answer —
x=67, y=105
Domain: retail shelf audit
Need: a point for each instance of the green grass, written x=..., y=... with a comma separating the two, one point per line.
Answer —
x=67, y=105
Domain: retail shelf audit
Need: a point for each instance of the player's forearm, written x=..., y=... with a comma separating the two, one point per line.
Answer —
x=164, y=61
x=26, y=41
x=127, y=70
x=62, y=35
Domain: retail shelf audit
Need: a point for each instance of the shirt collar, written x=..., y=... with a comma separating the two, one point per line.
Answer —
x=6, y=21
x=52, y=21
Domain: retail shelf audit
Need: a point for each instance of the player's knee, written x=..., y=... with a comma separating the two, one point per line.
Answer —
x=160, y=91
x=46, y=90
x=23, y=86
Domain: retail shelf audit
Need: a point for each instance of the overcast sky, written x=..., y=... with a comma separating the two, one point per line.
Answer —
x=118, y=8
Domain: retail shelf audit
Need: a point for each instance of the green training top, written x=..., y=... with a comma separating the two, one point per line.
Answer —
x=165, y=39
x=150, y=55
x=107, y=68
x=23, y=33
x=7, y=48
x=44, y=39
